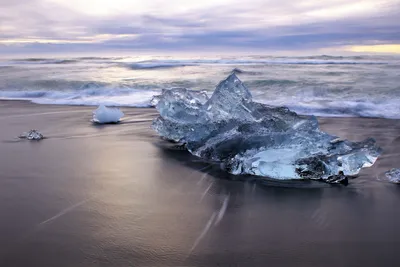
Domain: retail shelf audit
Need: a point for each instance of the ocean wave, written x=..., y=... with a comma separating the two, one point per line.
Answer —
x=270, y=82
x=342, y=108
x=31, y=59
x=242, y=71
x=176, y=63
x=55, y=85
x=326, y=90
x=141, y=98
x=99, y=58
x=151, y=65
x=63, y=61
x=158, y=64
x=51, y=61
x=328, y=57
x=45, y=61
x=92, y=96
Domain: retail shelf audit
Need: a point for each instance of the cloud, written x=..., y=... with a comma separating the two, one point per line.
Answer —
x=57, y=25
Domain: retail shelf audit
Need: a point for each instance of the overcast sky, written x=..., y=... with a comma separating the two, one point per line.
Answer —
x=33, y=26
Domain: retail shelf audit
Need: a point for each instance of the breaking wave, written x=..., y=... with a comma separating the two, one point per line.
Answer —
x=339, y=108
x=151, y=65
x=51, y=61
x=158, y=64
x=85, y=97
x=141, y=98
x=46, y=61
x=322, y=85
x=163, y=63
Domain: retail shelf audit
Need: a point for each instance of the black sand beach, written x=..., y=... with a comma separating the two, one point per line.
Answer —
x=119, y=196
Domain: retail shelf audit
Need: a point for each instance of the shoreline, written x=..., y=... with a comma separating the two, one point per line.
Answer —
x=152, y=107
x=117, y=195
x=351, y=128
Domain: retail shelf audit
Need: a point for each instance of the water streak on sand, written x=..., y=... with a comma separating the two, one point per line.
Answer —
x=45, y=113
x=222, y=211
x=204, y=232
x=206, y=191
x=204, y=175
x=65, y=211
x=215, y=219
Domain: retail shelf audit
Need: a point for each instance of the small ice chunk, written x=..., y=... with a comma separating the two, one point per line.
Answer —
x=393, y=175
x=32, y=135
x=104, y=115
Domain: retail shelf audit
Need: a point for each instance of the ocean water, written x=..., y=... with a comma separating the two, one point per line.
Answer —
x=364, y=86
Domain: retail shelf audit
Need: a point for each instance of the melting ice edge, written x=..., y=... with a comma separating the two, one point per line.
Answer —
x=257, y=139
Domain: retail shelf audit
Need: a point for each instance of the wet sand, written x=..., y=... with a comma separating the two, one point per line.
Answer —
x=119, y=196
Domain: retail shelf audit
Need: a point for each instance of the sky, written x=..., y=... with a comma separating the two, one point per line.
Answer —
x=316, y=26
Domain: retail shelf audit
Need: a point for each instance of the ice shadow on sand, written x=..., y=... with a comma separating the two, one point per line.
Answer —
x=175, y=152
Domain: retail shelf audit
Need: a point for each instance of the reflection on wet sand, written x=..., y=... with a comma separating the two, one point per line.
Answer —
x=122, y=197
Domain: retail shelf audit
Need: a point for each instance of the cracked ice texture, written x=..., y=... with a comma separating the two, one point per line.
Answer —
x=253, y=138
x=393, y=176
x=32, y=135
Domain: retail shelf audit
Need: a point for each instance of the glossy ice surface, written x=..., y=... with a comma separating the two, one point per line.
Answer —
x=104, y=114
x=247, y=137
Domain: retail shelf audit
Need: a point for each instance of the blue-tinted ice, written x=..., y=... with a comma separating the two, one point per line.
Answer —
x=32, y=135
x=103, y=115
x=253, y=138
x=393, y=175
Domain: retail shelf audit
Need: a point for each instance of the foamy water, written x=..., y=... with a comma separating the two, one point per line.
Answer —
x=366, y=86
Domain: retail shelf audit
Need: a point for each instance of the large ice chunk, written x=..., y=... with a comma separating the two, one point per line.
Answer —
x=104, y=114
x=247, y=137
